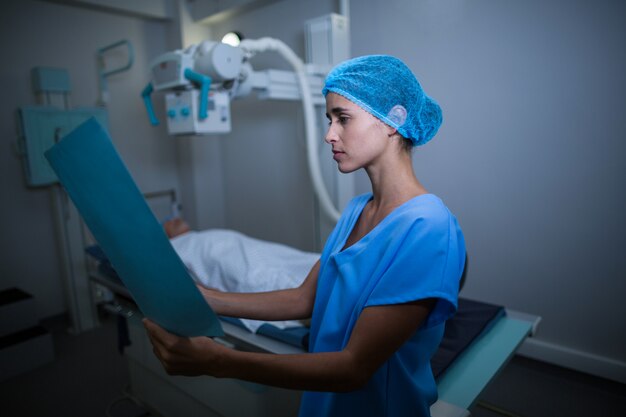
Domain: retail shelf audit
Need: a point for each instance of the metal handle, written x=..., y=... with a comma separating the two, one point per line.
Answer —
x=118, y=309
x=131, y=57
x=205, y=84
x=104, y=93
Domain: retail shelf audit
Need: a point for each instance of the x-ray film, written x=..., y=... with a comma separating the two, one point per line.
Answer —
x=118, y=216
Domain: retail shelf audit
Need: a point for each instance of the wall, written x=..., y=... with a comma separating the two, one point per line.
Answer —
x=35, y=33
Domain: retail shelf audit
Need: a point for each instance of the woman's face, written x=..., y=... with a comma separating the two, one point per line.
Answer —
x=358, y=139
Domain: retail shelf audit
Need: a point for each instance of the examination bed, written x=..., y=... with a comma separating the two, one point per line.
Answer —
x=478, y=341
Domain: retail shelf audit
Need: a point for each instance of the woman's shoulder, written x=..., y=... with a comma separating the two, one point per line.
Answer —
x=424, y=207
x=426, y=215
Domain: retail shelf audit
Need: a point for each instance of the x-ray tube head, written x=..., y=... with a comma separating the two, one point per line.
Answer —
x=168, y=70
x=218, y=60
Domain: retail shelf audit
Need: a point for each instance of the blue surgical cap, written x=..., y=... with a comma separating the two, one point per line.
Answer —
x=385, y=87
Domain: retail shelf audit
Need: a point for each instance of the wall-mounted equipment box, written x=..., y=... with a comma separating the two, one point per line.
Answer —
x=40, y=128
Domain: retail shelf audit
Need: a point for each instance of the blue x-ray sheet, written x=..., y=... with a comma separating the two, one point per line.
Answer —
x=117, y=214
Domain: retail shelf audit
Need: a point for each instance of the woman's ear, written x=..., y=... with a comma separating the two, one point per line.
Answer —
x=390, y=131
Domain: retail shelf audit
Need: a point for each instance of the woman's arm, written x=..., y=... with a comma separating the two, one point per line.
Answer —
x=378, y=333
x=289, y=304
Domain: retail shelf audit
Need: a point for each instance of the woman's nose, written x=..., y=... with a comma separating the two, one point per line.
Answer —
x=331, y=136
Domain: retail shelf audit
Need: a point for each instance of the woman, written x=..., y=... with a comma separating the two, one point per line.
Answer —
x=386, y=281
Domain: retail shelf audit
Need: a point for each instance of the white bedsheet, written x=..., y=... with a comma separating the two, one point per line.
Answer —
x=230, y=261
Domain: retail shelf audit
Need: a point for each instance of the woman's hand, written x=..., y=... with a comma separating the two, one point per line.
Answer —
x=206, y=291
x=185, y=356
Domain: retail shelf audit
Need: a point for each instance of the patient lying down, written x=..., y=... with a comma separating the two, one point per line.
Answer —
x=230, y=261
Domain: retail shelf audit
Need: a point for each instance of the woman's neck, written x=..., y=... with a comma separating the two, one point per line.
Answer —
x=393, y=185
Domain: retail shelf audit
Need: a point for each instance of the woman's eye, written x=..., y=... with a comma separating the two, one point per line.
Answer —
x=341, y=119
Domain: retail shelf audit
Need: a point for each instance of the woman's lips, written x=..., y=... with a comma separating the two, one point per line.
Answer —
x=337, y=154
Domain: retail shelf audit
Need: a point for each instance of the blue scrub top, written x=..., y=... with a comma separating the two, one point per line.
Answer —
x=416, y=252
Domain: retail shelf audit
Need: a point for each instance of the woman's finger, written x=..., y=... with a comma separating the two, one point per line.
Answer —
x=152, y=331
x=159, y=337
